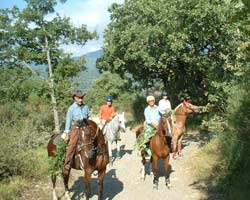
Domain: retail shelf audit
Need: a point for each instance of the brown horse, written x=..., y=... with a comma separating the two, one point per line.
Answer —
x=181, y=112
x=90, y=154
x=160, y=148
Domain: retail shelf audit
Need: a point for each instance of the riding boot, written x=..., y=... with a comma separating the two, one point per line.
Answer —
x=70, y=150
x=68, y=159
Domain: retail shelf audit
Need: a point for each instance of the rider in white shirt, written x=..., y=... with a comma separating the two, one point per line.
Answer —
x=165, y=109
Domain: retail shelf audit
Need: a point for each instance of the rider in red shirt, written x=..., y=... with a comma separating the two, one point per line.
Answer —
x=107, y=111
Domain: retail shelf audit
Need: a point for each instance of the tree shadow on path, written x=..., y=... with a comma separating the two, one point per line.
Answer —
x=111, y=187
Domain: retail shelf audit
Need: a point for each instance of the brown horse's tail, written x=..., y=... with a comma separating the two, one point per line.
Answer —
x=138, y=130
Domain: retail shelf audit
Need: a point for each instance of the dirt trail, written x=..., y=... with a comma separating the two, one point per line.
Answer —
x=122, y=181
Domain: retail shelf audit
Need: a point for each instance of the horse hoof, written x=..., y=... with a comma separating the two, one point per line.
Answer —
x=66, y=195
x=118, y=156
x=180, y=154
x=54, y=195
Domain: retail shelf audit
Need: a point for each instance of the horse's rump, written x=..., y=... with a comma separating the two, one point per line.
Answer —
x=111, y=129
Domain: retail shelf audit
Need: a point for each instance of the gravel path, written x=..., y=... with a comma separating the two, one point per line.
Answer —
x=122, y=180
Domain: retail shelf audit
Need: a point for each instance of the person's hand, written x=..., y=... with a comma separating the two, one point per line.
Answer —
x=154, y=125
x=67, y=137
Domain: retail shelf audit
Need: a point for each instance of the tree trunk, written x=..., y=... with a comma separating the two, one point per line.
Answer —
x=52, y=86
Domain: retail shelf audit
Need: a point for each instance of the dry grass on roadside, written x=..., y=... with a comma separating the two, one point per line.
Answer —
x=208, y=162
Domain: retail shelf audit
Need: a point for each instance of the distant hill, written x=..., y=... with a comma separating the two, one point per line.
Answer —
x=84, y=78
x=87, y=77
x=94, y=54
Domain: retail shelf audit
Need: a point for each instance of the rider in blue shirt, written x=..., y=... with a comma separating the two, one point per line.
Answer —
x=151, y=112
x=152, y=118
x=78, y=111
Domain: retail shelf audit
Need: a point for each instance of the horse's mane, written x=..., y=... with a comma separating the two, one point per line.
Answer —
x=177, y=107
x=160, y=129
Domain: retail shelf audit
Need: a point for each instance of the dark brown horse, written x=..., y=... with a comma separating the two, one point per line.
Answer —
x=181, y=112
x=160, y=148
x=90, y=154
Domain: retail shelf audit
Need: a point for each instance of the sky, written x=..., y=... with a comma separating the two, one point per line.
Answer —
x=93, y=13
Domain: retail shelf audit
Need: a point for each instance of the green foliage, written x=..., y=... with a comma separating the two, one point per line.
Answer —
x=30, y=38
x=108, y=84
x=56, y=162
x=188, y=45
x=232, y=175
x=18, y=137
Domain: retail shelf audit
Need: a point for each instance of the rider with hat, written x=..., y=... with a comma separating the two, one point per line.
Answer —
x=78, y=111
x=165, y=110
x=107, y=111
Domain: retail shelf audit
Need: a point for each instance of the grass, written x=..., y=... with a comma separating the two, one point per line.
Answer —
x=218, y=176
x=11, y=189
x=35, y=169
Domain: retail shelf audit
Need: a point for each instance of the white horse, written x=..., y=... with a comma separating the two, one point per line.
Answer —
x=112, y=133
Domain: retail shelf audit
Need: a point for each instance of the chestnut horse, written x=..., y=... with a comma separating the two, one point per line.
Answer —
x=160, y=148
x=181, y=112
x=90, y=154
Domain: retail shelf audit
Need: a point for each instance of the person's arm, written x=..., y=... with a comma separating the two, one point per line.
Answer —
x=100, y=115
x=88, y=112
x=66, y=132
x=113, y=113
x=68, y=121
x=147, y=116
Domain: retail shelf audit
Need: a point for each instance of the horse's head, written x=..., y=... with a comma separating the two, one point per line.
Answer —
x=87, y=137
x=163, y=124
x=186, y=109
x=121, y=118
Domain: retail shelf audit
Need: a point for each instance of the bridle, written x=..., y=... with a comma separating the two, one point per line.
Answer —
x=86, y=138
x=84, y=128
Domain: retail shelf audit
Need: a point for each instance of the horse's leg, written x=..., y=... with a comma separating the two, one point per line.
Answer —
x=174, y=140
x=150, y=169
x=180, y=146
x=143, y=174
x=118, y=149
x=53, y=179
x=66, y=181
x=155, y=166
x=87, y=183
x=167, y=171
x=101, y=175
x=110, y=152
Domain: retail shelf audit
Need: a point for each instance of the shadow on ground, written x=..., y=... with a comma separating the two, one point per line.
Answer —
x=112, y=186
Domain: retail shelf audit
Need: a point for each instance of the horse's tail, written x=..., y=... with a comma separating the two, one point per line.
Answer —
x=138, y=130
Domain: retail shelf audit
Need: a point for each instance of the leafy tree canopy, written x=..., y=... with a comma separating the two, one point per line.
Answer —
x=188, y=45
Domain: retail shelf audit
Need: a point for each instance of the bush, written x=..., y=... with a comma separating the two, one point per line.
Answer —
x=229, y=174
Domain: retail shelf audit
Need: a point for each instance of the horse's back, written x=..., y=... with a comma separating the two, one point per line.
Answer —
x=139, y=130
